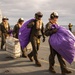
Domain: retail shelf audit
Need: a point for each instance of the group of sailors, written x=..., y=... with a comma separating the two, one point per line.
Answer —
x=37, y=30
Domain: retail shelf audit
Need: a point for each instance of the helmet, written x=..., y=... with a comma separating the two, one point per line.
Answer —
x=53, y=15
x=38, y=14
x=5, y=18
x=21, y=20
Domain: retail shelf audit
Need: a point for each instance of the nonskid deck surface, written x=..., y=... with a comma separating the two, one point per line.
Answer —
x=23, y=66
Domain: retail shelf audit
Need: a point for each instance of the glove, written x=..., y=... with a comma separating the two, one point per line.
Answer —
x=43, y=40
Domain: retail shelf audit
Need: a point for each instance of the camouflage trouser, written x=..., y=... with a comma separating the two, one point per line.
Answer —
x=2, y=40
x=53, y=53
x=35, y=46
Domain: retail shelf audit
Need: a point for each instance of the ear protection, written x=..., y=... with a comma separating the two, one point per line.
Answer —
x=53, y=15
x=36, y=16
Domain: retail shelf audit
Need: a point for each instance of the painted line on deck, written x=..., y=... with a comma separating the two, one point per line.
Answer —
x=44, y=46
x=48, y=47
x=56, y=64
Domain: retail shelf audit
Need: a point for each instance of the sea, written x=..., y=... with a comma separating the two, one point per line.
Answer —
x=73, y=28
x=66, y=26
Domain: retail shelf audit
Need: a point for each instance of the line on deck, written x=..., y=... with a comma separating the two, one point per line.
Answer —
x=56, y=64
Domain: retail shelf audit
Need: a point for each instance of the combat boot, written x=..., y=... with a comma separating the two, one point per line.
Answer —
x=36, y=60
x=51, y=69
x=24, y=56
x=38, y=64
x=64, y=72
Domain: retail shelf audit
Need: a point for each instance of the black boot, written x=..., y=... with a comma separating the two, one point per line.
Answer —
x=51, y=69
x=36, y=60
x=1, y=47
x=38, y=64
x=23, y=53
x=24, y=56
x=64, y=72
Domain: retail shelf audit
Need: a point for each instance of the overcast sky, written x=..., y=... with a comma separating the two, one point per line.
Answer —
x=15, y=9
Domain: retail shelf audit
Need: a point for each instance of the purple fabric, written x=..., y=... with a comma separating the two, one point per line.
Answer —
x=63, y=41
x=10, y=32
x=24, y=34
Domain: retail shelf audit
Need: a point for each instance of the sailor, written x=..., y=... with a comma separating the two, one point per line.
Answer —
x=37, y=30
x=4, y=28
x=16, y=32
x=17, y=27
x=70, y=27
x=49, y=32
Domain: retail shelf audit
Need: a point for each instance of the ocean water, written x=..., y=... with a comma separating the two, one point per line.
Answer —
x=73, y=28
x=12, y=26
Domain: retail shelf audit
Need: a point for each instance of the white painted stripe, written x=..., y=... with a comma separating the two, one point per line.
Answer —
x=44, y=46
x=48, y=47
x=56, y=64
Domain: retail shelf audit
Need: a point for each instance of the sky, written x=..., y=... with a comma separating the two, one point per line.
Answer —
x=15, y=9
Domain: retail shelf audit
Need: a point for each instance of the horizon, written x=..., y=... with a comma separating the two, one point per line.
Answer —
x=27, y=8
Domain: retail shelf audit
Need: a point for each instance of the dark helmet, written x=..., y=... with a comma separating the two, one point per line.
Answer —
x=5, y=18
x=53, y=15
x=38, y=14
x=20, y=20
